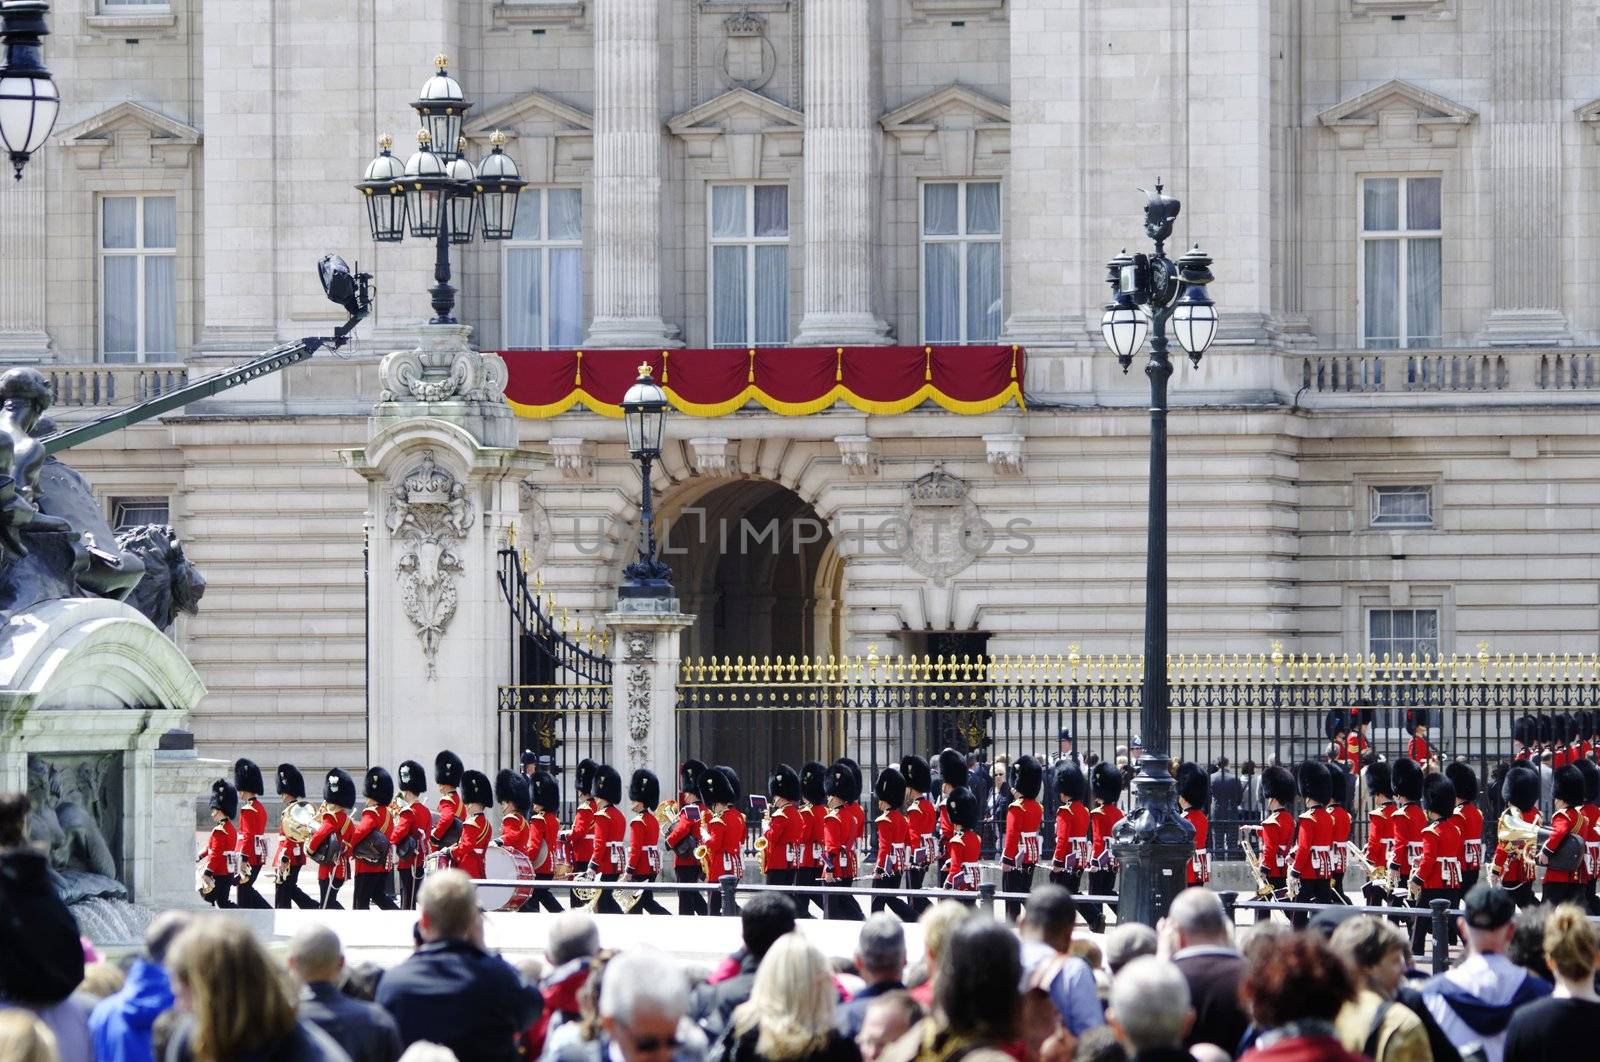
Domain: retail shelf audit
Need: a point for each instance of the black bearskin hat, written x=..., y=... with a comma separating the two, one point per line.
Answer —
x=919, y=775
x=784, y=782
x=1194, y=785
x=339, y=789
x=475, y=788
x=1591, y=780
x=546, y=793
x=1336, y=720
x=584, y=782
x=1027, y=777
x=735, y=786
x=224, y=797
x=855, y=769
x=840, y=782
x=1378, y=781
x=963, y=808
x=290, y=781
x=1521, y=787
x=811, y=779
x=1071, y=784
x=413, y=779
x=1569, y=786
x=1315, y=785
x=1464, y=779
x=1525, y=730
x=247, y=777
x=608, y=784
x=447, y=768
x=890, y=787
x=1439, y=796
x=689, y=776
x=645, y=787
x=715, y=787
x=379, y=785
x=1278, y=784
x=1416, y=717
x=1407, y=777
x=952, y=768
x=1343, y=786
x=1105, y=781
x=511, y=787
x=1545, y=729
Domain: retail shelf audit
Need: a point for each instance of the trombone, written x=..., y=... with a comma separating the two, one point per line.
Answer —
x=1378, y=876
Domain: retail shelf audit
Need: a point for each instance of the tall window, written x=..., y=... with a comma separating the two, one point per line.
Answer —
x=1401, y=632
x=542, y=304
x=1402, y=271
x=961, y=262
x=138, y=278
x=749, y=304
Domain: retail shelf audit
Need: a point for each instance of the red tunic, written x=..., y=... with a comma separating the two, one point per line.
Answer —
x=1072, y=837
x=414, y=820
x=857, y=817
x=1277, y=834
x=1101, y=821
x=514, y=832
x=222, y=847
x=1561, y=757
x=451, y=810
x=1563, y=822
x=467, y=855
x=540, y=841
x=1514, y=870
x=1312, y=831
x=1417, y=751
x=724, y=840
x=610, y=833
x=811, y=855
x=1440, y=866
x=962, y=870
x=335, y=823
x=1355, y=746
x=921, y=822
x=893, y=845
x=294, y=851
x=1022, y=834
x=252, y=833
x=644, y=846
x=682, y=828
x=1407, y=846
x=1338, y=840
x=583, y=834
x=1380, y=834
x=1469, y=819
x=1591, y=840
x=786, y=833
x=373, y=819
x=838, y=844
x=1198, y=871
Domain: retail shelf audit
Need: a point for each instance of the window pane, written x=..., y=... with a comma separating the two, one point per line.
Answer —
x=120, y=225
x=566, y=297
x=121, y=299
x=983, y=292
x=1404, y=624
x=566, y=214
x=136, y=512
x=941, y=281
x=1422, y=203
x=772, y=292
x=523, y=312
x=940, y=204
x=1424, y=293
x=528, y=224
x=983, y=208
x=1427, y=632
x=727, y=210
x=1402, y=506
x=1381, y=212
x=772, y=210
x=1381, y=301
x=1380, y=626
x=728, y=293
x=160, y=305
x=160, y=221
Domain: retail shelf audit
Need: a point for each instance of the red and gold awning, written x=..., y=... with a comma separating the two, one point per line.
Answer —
x=793, y=381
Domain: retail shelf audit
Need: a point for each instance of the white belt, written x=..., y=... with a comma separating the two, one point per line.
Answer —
x=1472, y=854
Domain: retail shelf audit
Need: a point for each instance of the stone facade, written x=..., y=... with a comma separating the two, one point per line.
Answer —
x=1264, y=118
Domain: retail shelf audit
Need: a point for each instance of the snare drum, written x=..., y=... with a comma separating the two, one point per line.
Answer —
x=506, y=864
x=437, y=860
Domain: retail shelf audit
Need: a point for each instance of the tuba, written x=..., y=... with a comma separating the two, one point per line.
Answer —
x=667, y=812
x=1522, y=840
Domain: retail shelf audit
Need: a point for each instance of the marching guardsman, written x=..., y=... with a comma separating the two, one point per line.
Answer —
x=477, y=795
x=686, y=835
x=1020, y=851
x=1339, y=826
x=1355, y=741
x=952, y=776
x=1408, y=822
x=1417, y=750
x=1591, y=830
x=644, y=837
x=839, y=840
x=894, y=846
x=220, y=855
x=248, y=782
x=965, y=846
x=1523, y=735
x=452, y=809
x=1380, y=833
x=610, y=834
x=813, y=806
x=543, y=830
x=1194, y=797
x=1564, y=885
x=1469, y=820
x=724, y=831
x=515, y=798
x=1313, y=847
x=856, y=813
x=1513, y=869
x=580, y=836
x=1105, y=787
x=922, y=823
x=783, y=834
x=1277, y=831
x=329, y=847
x=291, y=855
x=1073, y=845
x=1437, y=875
x=369, y=843
x=1561, y=734
x=409, y=832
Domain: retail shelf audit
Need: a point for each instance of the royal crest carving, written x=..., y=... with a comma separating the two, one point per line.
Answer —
x=944, y=530
x=747, y=58
x=428, y=518
x=442, y=369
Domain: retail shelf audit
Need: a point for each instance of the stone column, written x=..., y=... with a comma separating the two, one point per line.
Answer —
x=841, y=149
x=1524, y=127
x=22, y=268
x=627, y=177
x=644, y=690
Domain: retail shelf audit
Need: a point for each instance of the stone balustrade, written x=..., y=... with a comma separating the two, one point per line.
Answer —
x=100, y=385
x=1520, y=371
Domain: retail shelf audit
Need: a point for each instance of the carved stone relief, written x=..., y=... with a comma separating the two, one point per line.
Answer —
x=428, y=518
x=747, y=58
x=638, y=655
x=944, y=531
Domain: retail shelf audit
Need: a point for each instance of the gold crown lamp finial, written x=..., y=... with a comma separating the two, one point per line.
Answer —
x=424, y=138
x=461, y=145
x=644, y=370
x=440, y=62
x=497, y=139
x=385, y=142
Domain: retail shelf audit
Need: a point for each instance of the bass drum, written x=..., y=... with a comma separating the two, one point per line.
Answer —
x=505, y=864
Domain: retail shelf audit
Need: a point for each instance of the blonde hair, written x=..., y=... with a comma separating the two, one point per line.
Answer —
x=791, y=1003
x=102, y=979
x=239, y=999
x=24, y=1038
x=1570, y=943
x=938, y=922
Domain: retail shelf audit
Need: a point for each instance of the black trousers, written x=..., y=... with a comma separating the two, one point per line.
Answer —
x=328, y=889
x=543, y=899
x=1373, y=896
x=902, y=910
x=1469, y=878
x=1560, y=892
x=647, y=902
x=690, y=901
x=1101, y=883
x=289, y=893
x=1312, y=890
x=246, y=895
x=1422, y=925
x=221, y=885
x=915, y=876
x=1336, y=883
x=1018, y=879
x=810, y=876
x=1522, y=894
x=841, y=905
x=372, y=890
x=410, y=885
x=607, y=903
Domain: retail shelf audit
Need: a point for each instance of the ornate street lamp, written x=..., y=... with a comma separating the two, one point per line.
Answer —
x=438, y=191
x=1149, y=292
x=644, y=408
x=29, y=101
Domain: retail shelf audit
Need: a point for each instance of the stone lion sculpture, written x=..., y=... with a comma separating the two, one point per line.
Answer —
x=170, y=584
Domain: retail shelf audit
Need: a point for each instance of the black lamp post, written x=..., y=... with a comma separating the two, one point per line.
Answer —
x=1148, y=292
x=29, y=101
x=438, y=190
x=645, y=409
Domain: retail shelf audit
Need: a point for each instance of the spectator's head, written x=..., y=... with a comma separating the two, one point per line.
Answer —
x=315, y=955
x=791, y=1002
x=24, y=1038
x=768, y=916
x=223, y=977
x=1488, y=919
x=642, y=999
x=881, y=949
x=1050, y=916
x=1526, y=948
x=1089, y=952
x=163, y=930
x=1199, y=920
x=101, y=979
x=1222, y=763
x=976, y=984
x=1377, y=951
x=888, y=1017
x=360, y=980
x=1299, y=978
x=13, y=820
x=1256, y=939
x=424, y=1051
x=1150, y=1007
x=937, y=923
x=573, y=935
x=1209, y=1053
x=1127, y=942
x=448, y=905
x=1100, y=1044
x=1570, y=946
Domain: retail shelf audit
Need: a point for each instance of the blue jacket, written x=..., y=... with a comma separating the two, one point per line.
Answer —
x=365, y=1030
x=121, y=1023
x=452, y=993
